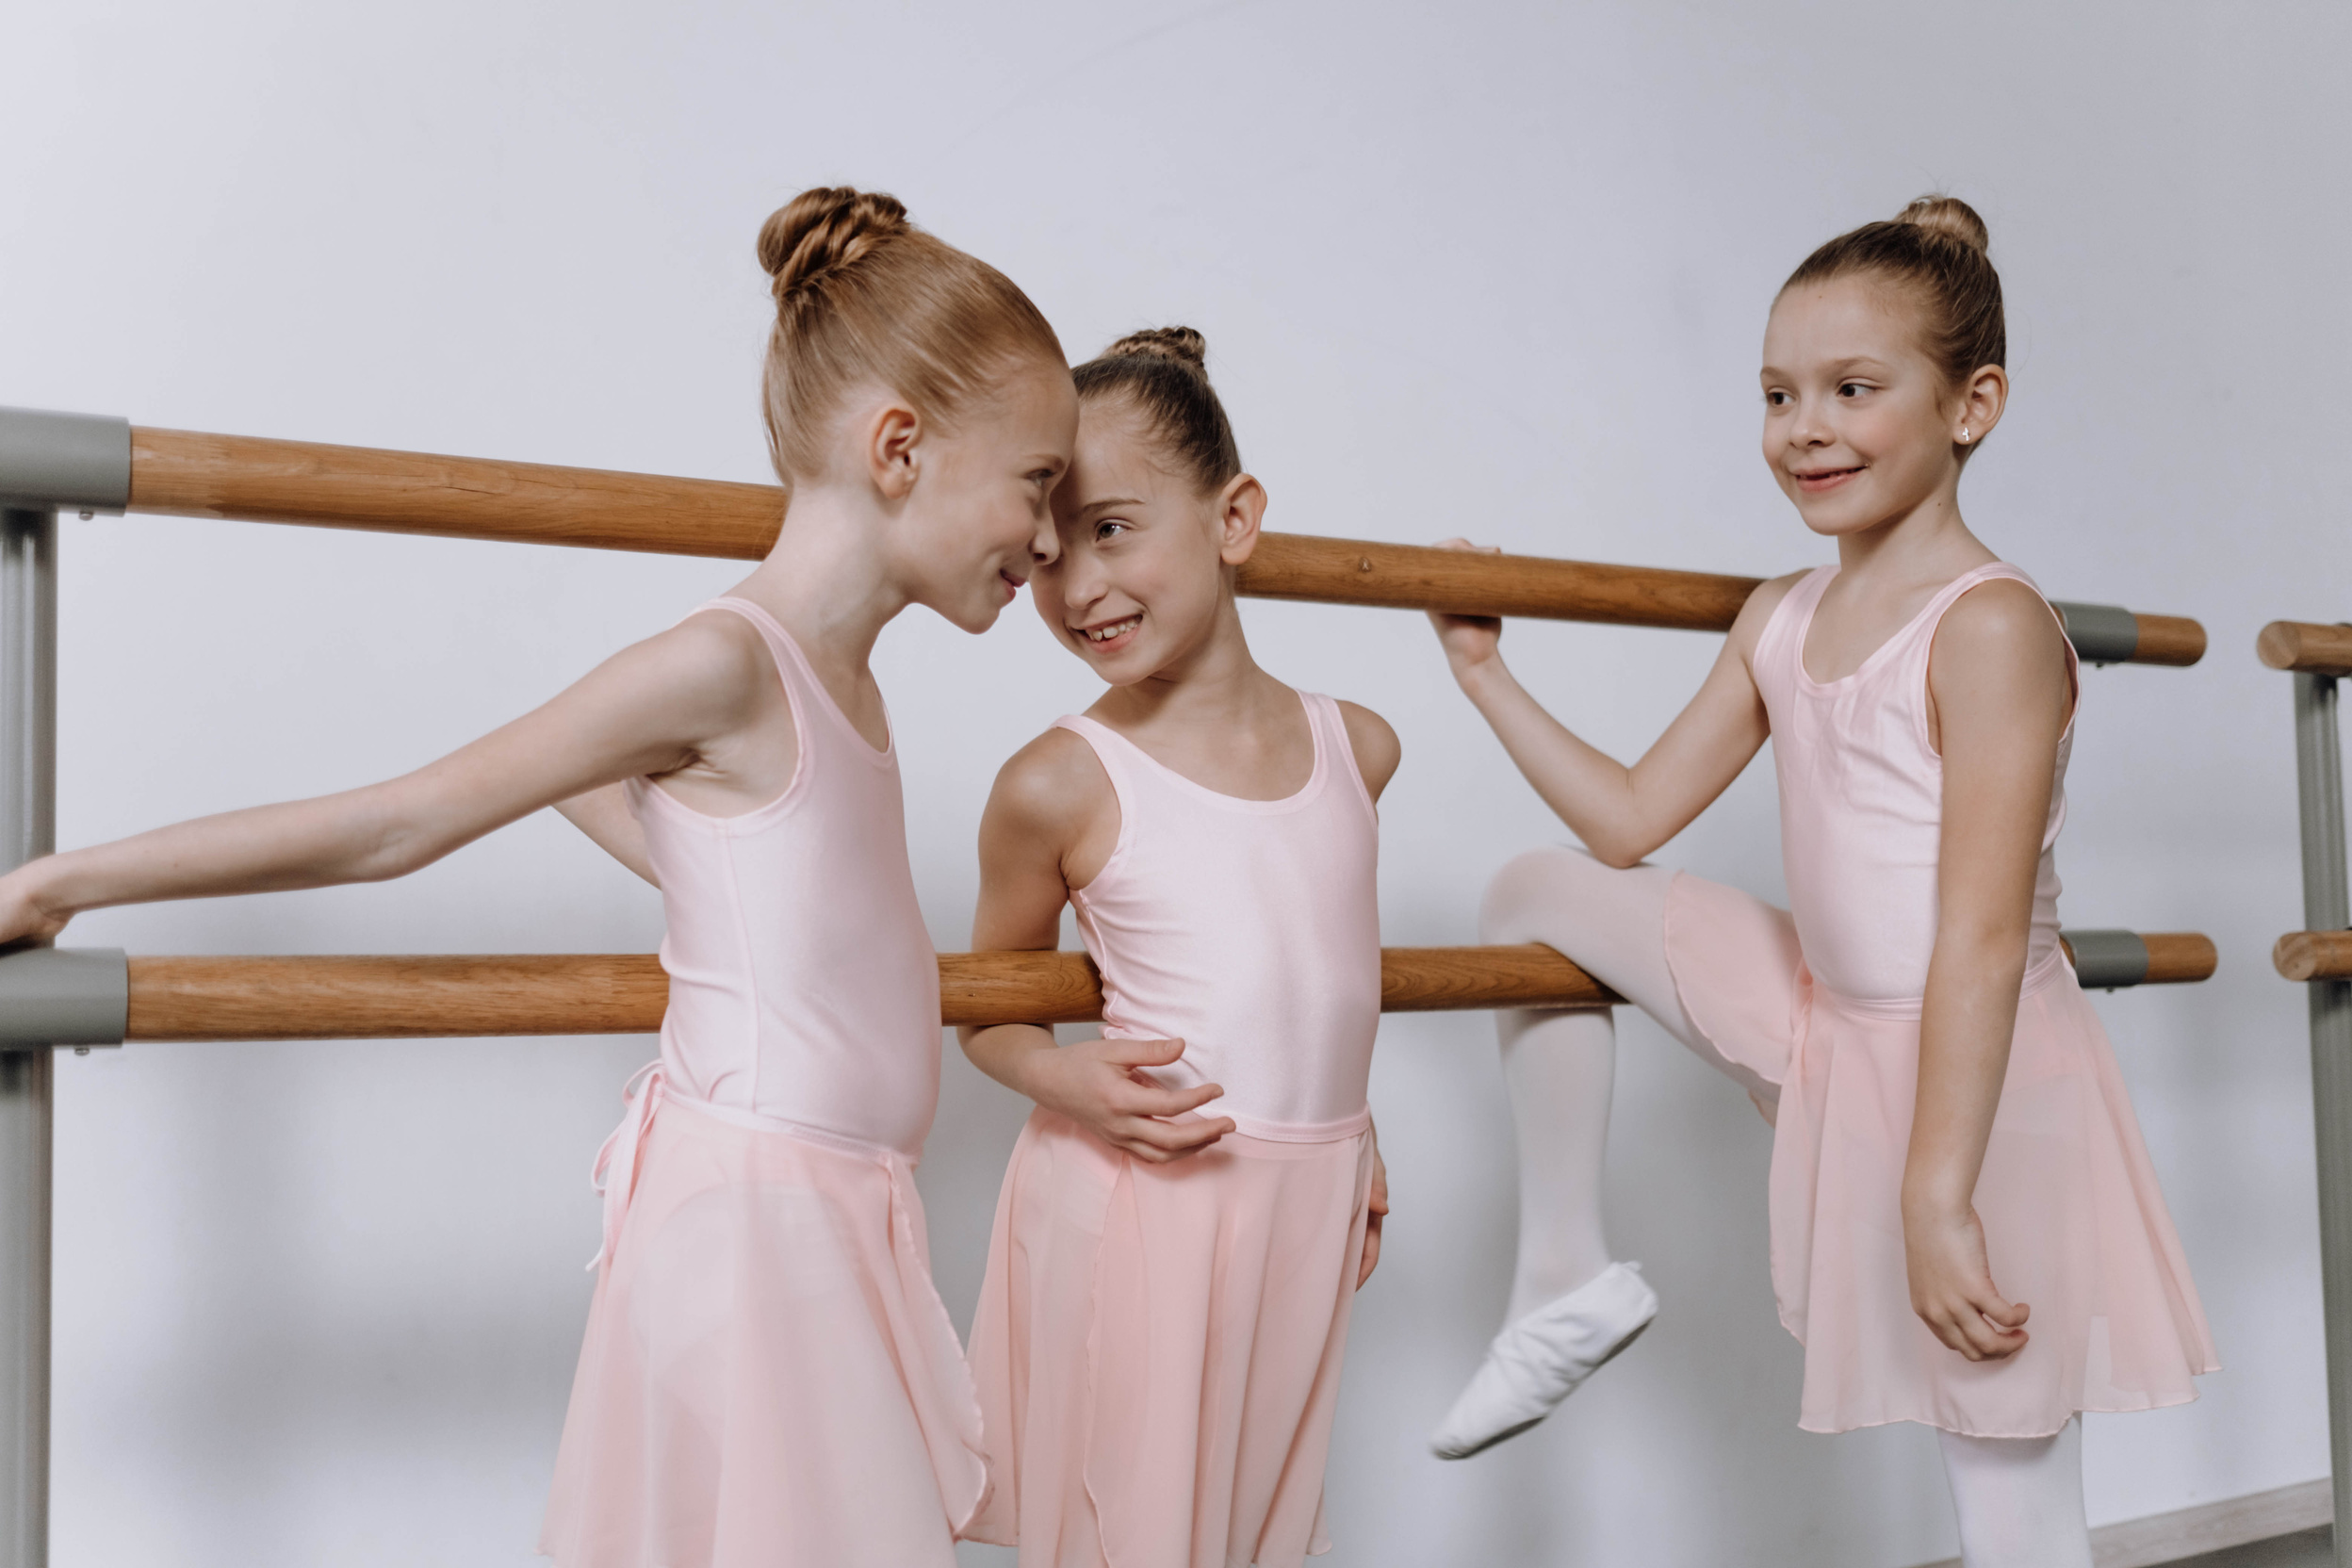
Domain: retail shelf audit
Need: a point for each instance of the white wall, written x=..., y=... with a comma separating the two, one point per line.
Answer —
x=1500, y=272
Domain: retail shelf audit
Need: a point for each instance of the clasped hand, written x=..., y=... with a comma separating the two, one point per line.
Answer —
x=1101, y=1085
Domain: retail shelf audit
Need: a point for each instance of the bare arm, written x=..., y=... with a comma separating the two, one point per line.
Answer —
x=604, y=816
x=1623, y=813
x=1997, y=688
x=1047, y=811
x=1378, y=754
x=649, y=709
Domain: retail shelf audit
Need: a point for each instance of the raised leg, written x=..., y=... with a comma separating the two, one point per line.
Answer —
x=1571, y=1308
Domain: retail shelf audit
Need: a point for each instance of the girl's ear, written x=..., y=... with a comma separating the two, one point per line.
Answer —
x=894, y=449
x=1980, y=405
x=1240, y=508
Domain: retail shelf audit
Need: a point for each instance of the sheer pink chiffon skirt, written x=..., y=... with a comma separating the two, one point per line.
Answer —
x=2075, y=1224
x=1158, y=1348
x=769, y=1379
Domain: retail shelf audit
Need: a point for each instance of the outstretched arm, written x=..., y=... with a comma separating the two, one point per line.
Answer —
x=649, y=709
x=604, y=816
x=1997, y=688
x=1046, y=815
x=1621, y=813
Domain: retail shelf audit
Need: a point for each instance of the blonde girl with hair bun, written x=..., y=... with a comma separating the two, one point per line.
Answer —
x=1966, y=1228
x=769, y=1380
x=1197, y=1198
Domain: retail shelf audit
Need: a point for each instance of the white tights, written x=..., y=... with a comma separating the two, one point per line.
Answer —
x=2020, y=1500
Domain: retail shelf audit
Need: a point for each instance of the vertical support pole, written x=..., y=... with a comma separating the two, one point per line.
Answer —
x=28, y=746
x=2327, y=906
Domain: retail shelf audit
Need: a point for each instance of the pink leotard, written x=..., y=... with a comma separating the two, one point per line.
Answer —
x=769, y=1378
x=1862, y=800
x=1249, y=929
x=802, y=985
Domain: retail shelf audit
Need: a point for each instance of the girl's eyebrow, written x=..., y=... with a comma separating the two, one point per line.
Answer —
x=1110, y=501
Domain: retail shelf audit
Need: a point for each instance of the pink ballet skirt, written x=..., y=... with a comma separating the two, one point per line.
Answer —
x=1211, y=1297
x=769, y=1378
x=2075, y=1225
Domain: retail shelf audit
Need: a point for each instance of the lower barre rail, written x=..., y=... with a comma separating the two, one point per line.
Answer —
x=626, y=994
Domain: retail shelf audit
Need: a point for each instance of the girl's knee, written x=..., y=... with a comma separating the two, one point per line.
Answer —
x=1529, y=890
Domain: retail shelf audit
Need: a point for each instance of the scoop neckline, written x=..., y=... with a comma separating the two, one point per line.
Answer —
x=1296, y=798
x=1804, y=628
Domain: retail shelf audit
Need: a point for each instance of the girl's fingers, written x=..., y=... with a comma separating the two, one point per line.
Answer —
x=1142, y=1053
x=1152, y=1100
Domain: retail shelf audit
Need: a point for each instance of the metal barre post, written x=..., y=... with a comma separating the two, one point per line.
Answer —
x=29, y=700
x=2327, y=906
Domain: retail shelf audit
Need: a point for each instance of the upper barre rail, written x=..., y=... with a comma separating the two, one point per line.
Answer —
x=182, y=473
x=98, y=996
x=2306, y=647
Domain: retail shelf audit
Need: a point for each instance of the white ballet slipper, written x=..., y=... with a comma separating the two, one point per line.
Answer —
x=1537, y=1362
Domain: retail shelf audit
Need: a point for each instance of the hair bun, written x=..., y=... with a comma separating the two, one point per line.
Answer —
x=1950, y=216
x=1181, y=345
x=819, y=232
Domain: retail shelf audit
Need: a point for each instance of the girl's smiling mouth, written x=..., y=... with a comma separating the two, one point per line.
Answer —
x=1111, y=635
x=1813, y=484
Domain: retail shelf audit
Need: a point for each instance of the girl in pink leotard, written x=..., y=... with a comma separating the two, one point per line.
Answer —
x=1967, y=1231
x=769, y=1380
x=1198, y=1196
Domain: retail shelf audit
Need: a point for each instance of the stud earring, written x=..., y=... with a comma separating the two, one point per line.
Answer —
x=1964, y=435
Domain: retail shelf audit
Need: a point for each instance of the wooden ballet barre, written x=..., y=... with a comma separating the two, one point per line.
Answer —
x=626, y=994
x=2306, y=647
x=2313, y=956
x=184, y=474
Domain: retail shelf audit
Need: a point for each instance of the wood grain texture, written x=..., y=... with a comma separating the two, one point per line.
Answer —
x=1440, y=979
x=625, y=993
x=2178, y=958
x=2306, y=647
x=396, y=998
x=1465, y=582
x=184, y=473
x=189, y=475
x=2173, y=640
x=2313, y=956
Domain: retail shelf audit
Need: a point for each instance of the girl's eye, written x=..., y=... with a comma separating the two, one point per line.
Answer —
x=1107, y=528
x=1851, y=389
x=1776, y=400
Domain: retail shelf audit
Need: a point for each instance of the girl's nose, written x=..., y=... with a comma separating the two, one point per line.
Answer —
x=1045, y=544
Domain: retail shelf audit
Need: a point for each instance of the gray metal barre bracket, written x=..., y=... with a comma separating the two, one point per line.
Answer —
x=2101, y=633
x=64, y=996
x=2106, y=960
x=68, y=461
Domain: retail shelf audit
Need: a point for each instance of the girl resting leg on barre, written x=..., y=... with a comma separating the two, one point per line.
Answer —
x=769, y=1379
x=1198, y=1196
x=1954, y=1157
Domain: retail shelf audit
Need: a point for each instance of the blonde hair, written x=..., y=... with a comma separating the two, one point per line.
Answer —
x=865, y=298
x=1935, y=250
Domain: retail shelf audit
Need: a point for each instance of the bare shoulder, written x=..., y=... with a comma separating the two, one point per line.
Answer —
x=1749, y=624
x=2001, y=624
x=1374, y=741
x=709, y=657
x=1051, y=786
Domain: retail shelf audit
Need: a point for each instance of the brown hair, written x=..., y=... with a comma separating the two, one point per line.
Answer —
x=1936, y=249
x=862, y=297
x=1164, y=372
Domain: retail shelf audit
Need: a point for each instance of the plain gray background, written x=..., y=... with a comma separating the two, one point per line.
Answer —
x=1500, y=271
